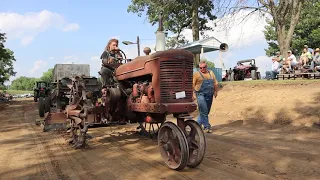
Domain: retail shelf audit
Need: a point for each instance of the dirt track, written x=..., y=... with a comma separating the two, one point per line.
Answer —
x=242, y=149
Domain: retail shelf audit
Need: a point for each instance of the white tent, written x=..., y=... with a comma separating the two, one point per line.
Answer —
x=202, y=46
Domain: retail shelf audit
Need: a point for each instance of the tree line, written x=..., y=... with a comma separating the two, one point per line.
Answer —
x=27, y=83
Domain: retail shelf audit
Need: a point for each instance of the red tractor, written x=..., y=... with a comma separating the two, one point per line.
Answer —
x=145, y=91
x=242, y=71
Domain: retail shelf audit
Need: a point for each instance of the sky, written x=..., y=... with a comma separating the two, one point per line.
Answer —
x=45, y=33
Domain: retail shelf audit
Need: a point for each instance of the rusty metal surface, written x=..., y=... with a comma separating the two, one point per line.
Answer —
x=56, y=117
x=69, y=71
x=163, y=107
x=175, y=77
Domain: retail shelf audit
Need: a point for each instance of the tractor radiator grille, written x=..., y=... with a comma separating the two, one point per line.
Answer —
x=175, y=76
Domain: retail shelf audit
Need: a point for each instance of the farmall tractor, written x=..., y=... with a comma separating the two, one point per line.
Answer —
x=144, y=90
x=242, y=71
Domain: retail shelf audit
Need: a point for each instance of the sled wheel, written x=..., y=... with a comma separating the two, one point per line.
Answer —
x=173, y=146
x=41, y=107
x=47, y=104
x=196, y=142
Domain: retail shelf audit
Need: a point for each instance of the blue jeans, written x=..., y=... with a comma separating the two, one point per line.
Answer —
x=313, y=64
x=204, y=106
x=271, y=74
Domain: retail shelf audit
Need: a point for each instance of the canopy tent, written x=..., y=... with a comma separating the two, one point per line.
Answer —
x=202, y=46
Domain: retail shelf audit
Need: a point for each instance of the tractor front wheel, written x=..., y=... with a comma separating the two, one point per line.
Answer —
x=41, y=106
x=47, y=105
x=173, y=146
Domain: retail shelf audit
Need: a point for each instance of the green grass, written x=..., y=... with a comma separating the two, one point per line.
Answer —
x=14, y=92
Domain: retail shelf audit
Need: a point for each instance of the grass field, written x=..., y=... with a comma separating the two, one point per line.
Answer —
x=17, y=92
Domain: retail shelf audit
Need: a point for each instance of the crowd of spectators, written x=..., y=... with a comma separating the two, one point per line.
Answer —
x=309, y=61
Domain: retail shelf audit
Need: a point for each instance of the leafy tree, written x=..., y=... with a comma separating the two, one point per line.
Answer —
x=27, y=83
x=307, y=31
x=47, y=76
x=3, y=87
x=178, y=15
x=209, y=63
x=6, y=61
x=23, y=83
x=285, y=16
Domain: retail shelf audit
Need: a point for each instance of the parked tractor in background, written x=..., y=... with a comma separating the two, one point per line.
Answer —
x=67, y=81
x=243, y=71
x=41, y=89
x=41, y=93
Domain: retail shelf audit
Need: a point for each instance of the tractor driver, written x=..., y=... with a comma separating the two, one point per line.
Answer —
x=110, y=55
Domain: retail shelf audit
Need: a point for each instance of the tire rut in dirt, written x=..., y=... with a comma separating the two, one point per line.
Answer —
x=46, y=148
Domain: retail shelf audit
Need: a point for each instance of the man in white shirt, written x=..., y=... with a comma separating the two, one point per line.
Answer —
x=274, y=71
x=291, y=61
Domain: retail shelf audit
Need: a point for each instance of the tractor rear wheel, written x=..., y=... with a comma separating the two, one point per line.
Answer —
x=173, y=146
x=41, y=106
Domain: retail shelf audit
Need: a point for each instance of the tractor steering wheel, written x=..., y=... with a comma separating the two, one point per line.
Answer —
x=125, y=57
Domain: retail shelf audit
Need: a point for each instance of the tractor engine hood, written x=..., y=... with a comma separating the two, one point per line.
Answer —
x=143, y=65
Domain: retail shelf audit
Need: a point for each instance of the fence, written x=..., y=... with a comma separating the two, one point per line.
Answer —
x=217, y=72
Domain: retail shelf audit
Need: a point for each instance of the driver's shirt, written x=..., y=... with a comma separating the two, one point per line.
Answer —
x=106, y=55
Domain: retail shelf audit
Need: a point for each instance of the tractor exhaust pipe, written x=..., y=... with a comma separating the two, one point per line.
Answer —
x=160, y=36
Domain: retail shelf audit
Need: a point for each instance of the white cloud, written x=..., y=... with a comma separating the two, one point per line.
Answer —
x=26, y=40
x=241, y=37
x=37, y=65
x=235, y=32
x=71, y=27
x=25, y=27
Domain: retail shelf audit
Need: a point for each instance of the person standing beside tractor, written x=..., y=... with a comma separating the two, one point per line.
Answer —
x=205, y=87
x=110, y=55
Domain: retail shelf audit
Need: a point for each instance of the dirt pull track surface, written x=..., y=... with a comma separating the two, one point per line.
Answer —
x=237, y=150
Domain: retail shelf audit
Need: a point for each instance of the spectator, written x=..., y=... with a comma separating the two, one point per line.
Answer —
x=280, y=59
x=316, y=60
x=309, y=49
x=305, y=57
x=290, y=62
x=274, y=70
